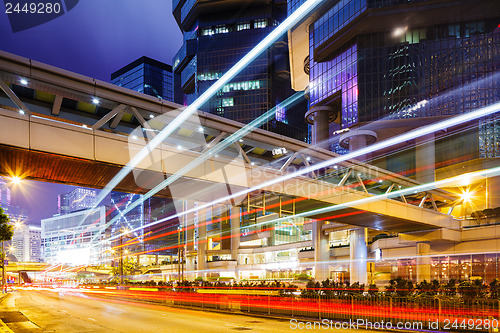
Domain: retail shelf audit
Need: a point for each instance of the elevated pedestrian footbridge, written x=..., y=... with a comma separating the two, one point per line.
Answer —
x=62, y=127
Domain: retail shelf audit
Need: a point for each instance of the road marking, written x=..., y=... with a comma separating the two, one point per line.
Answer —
x=92, y=319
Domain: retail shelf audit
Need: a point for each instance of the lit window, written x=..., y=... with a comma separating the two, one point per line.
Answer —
x=280, y=114
x=207, y=32
x=228, y=101
x=209, y=76
x=245, y=85
x=221, y=29
x=262, y=23
x=243, y=26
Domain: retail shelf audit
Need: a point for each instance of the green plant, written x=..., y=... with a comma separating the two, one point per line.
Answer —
x=472, y=289
x=427, y=289
x=399, y=287
x=302, y=277
x=495, y=289
x=373, y=289
x=450, y=289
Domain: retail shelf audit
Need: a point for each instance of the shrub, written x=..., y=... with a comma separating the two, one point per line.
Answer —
x=373, y=289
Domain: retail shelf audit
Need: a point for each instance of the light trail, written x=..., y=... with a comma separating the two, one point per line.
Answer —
x=233, y=138
x=479, y=113
x=419, y=188
x=281, y=29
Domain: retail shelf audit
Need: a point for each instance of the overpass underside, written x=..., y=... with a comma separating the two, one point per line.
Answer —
x=52, y=132
x=56, y=168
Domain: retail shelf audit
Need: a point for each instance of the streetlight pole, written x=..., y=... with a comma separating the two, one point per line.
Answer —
x=123, y=231
x=121, y=260
x=3, y=268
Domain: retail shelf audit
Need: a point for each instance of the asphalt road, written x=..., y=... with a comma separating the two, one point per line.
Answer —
x=51, y=311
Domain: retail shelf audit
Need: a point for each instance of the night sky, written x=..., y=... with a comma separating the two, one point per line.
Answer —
x=95, y=38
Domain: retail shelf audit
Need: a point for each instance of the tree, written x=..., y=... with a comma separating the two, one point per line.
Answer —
x=6, y=233
x=130, y=267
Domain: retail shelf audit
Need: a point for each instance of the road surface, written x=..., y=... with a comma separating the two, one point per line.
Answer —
x=52, y=311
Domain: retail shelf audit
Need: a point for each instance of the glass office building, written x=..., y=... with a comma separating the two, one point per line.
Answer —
x=216, y=36
x=153, y=239
x=147, y=76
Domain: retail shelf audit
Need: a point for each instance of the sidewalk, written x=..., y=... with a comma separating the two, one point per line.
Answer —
x=3, y=327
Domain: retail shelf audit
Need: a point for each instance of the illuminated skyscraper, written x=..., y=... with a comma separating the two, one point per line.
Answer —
x=78, y=199
x=150, y=210
x=75, y=238
x=373, y=60
x=216, y=36
x=4, y=194
x=147, y=76
x=27, y=243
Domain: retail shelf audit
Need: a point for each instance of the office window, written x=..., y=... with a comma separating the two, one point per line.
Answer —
x=207, y=31
x=228, y=101
x=221, y=29
x=243, y=26
x=262, y=23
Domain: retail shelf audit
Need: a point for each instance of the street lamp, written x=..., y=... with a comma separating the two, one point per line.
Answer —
x=15, y=180
x=124, y=233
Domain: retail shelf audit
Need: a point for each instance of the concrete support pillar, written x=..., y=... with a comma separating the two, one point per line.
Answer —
x=357, y=142
x=190, y=268
x=235, y=238
x=493, y=192
x=202, y=243
x=423, y=262
x=358, y=253
x=189, y=240
x=156, y=259
x=321, y=130
x=320, y=117
x=425, y=158
x=321, y=252
x=356, y=139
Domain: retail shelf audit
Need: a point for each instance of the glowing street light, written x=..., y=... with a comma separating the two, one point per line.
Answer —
x=399, y=31
x=15, y=180
x=18, y=224
x=466, y=196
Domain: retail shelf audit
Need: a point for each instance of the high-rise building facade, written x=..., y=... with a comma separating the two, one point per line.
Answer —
x=63, y=203
x=147, y=76
x=150, y=210
x=4, y=194
x=75, y=238
x=216, y=36
x=374, y=60
x=377, y=69
x=27, y=243
x=78, y=199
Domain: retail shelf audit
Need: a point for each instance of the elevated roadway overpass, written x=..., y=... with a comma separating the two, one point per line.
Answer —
x=51, y=130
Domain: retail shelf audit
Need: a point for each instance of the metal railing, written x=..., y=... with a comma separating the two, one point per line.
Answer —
x=426, y=313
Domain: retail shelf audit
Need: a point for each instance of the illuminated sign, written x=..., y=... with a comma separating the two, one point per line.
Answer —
x=279, y=151
x=341, y=131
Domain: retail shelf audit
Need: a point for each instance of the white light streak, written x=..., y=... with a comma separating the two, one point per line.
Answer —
x=485, y=111
x=281, y=29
